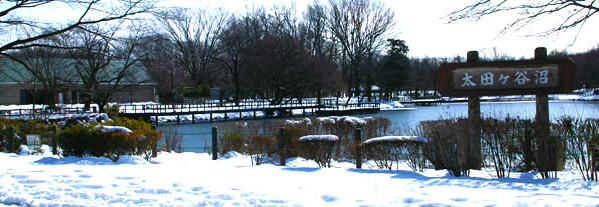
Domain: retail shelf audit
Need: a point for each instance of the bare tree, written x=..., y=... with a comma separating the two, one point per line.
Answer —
x=234, y=46
x=573, y=13
x=360, y=27
x=103, y=62
x=315, y=29
x=159, y=58
x=195, y=35
x=90, y=12
x=41, y=69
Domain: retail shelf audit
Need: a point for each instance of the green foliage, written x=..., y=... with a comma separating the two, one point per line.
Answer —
x=113, y=110
x=13, y=133
x=9, y=140
x=81, y=140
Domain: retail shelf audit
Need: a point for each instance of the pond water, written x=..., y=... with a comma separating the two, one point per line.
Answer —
x=197, y=136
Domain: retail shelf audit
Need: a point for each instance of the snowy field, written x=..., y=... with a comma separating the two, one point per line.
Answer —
x=193, y=179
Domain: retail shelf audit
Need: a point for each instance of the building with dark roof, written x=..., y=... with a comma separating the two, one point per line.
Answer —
x=19, y=86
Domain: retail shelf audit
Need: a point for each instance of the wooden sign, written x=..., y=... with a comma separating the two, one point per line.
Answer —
x=505, y=78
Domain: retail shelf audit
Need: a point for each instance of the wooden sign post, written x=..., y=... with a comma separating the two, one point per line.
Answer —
x=473, y=79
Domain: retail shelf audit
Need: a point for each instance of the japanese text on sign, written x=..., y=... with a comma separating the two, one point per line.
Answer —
x=505, y=78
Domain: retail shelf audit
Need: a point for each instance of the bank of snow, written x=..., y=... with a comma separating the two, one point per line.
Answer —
x=191, y=179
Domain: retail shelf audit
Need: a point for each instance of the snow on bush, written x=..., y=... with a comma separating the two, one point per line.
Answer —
x=331, y=138
x=388, y=151
x=113, y=129
x=397, y=139
x=318, y=148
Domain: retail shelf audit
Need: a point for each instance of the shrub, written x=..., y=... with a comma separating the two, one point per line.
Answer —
x=383, y=154
x=80, y=140
x=9, y=139
x=293, y=131
x=113, y=110
x=581, y=143
x=443, y=147
x=376, y=127
x=319, y=148
x=231, y=138
x=133, y=124
x=389, y=150
x=172, y=141
x=260, y=148
x=500, y=144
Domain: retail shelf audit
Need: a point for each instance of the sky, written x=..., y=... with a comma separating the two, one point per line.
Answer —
x=423, y=26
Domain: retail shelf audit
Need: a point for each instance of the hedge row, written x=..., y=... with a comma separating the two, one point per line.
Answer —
x=84, y=139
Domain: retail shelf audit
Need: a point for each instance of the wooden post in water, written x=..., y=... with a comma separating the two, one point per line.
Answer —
x=471, y=153
x=281, y=146
x=214, y=143
x=358, y=142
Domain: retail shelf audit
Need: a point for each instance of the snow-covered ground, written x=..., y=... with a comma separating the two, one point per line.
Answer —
x=193, y=179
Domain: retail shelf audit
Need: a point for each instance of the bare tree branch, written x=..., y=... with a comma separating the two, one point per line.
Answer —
x=573, y=13
x=127, y=8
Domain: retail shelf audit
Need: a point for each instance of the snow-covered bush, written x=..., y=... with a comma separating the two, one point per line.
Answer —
x=132, y=124
x=389, y=150
x=87, y=140
x=236, y=136
x=318, y=148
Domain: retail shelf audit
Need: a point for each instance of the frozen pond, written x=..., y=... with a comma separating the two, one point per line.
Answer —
x=196, y=136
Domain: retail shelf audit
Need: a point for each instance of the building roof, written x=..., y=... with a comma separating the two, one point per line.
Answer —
x=13, y=72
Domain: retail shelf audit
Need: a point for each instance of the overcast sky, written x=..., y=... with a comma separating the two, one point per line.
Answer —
x=427, y=33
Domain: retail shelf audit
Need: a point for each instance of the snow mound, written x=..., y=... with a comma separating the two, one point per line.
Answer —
x=113, y=129
x=331, y=138
x=24, y=150
x=231, y=154
x=397, y=138
x=46, y=150
x=131, y=160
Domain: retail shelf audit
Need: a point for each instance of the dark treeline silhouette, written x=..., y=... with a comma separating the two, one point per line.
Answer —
x=330, y=49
